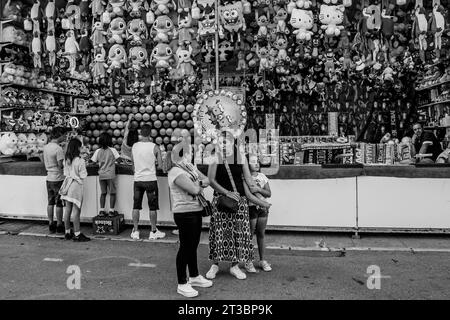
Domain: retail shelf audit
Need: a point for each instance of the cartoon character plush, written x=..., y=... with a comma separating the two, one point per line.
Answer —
x=280, y=18
x=185, y=63
x=281, y=44
x=207, y=29
x=12, y=10
x=31, y=144
x=302, y=21
x=232, y=19
x=98, y=36
x=50, y=13
x=117, y=31
x=41, y=141
x=136, y=7
x=50, y=47
x=331, y=17
x=263, y=23
x=139, y=58
x=185, y=30
x=136, y=32
x=85, y=47
x=71, y=49
x=116, y=8
x=36, y=48
x=36, y=12
x=162, y=7
x=163, y=29
x=98, y=7
x=437, y=25
x=263, y=55
x=420, y=30
x=116, y=58
x=242, y=64
x=22, y=143
x=162, y=56
x=99, y=66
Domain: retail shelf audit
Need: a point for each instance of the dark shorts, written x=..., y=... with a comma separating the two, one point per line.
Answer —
x=149, y=187
x=108, y=185
x=53, y=193
x=255, y=212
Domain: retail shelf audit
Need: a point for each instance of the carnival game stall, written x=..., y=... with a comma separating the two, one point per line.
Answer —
x=330, y=87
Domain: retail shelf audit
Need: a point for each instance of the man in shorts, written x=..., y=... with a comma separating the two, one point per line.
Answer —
x=145, y=155
x=53, y=160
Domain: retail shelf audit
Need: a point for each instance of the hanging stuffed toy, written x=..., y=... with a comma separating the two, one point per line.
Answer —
x=207, y=29
x=137, y=32
x=116, y=8
x=373, y=18
x=36, y=12
x=117, y=57
x=281, y=45
x=163, y=29
x=36, y=48
x=71, y=49
x=263, y=54
x=13, y=10
x=331, y=17
x=162, y=56
x=117, y=31
x=185, y=30
x=162, y=7
x=437, y=26
x=302, y=21
x=99, y=66
x=232, y=19
x=73, y=13
x=184, y=6
x=135, y=8
x=98, y=36
x=98, y=7
x=138, y=57
x=263, y=23
x=50, y=15
x=85, y=47
x=420, y=28
x=50, y=47
x=279, y=19
x=185, y=63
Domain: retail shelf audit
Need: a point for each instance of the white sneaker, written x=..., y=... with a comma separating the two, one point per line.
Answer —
x=187, y=290
x=211, y=274
x=235, y=271
x=265, y=266
x=156, y=235
x=200, y=281
x=135, y=235
x=250, y=267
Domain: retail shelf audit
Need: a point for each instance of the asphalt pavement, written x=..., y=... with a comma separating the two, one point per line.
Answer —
x=37, y=267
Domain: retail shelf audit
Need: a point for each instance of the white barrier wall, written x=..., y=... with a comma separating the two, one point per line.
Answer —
x=386, y=202
x=296, y=203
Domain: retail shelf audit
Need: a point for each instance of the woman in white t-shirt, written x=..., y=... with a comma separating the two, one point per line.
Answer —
x=185, y=183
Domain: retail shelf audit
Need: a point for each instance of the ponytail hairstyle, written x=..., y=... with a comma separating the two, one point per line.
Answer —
x=73, y=150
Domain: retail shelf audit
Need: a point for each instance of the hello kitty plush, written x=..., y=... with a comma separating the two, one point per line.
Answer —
x=302, y=21
x=331, y=17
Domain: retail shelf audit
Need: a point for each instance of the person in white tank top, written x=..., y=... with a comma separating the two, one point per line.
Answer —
x=146, y=156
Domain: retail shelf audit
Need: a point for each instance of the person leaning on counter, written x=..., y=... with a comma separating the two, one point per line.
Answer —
x=425, y=143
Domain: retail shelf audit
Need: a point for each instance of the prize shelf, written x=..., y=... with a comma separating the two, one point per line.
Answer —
x=432, y=86
x=434, y=103
x=40, y=109
x=43, y=90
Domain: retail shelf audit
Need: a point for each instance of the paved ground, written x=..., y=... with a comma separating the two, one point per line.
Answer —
x=36, y=268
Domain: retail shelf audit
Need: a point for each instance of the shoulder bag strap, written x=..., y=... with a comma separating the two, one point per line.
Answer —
x=230, y=175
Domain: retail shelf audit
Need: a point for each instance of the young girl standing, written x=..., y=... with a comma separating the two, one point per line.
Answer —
x=106, y=157
x=258, y=216
x=72, y=189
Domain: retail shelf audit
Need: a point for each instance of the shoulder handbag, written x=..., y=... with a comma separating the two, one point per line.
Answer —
x=224, y=203
x=207, y=207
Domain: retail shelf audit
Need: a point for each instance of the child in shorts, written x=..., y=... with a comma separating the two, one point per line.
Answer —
x=258, y=216
x=53, y=159
x=106, y=157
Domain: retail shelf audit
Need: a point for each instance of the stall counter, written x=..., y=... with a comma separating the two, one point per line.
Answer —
x=355, y=199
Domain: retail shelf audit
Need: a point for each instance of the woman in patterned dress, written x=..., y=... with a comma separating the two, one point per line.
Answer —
x=230, y=238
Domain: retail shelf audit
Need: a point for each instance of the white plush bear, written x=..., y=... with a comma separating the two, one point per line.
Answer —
x=8, y=144
x=331, y=17
x=302, y=21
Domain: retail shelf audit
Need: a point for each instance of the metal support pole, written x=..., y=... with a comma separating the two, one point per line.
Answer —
x=217, y=2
